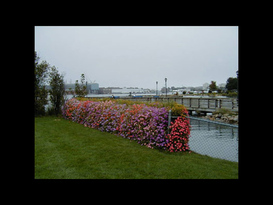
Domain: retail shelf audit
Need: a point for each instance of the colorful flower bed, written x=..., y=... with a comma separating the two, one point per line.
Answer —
x=145, y=124
x=179, y=136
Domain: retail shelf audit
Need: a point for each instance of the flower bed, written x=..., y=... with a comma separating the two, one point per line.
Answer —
x=145, y=124
x=179, y=136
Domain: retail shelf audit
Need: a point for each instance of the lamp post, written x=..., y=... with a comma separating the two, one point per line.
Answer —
x=237, y=72
x=166, y=86
x=156, y=88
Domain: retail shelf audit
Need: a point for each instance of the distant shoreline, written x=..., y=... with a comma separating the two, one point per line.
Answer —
x=125, y=95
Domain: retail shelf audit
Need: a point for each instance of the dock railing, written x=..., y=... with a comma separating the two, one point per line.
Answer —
x=205, y=104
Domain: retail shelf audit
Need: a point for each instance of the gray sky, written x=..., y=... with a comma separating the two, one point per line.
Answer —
x=138, y=56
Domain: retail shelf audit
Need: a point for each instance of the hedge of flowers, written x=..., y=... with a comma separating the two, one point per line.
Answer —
x=145, y=124
x=179, y=136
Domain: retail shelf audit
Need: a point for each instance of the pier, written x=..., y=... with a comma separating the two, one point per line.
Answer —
x=198, y=104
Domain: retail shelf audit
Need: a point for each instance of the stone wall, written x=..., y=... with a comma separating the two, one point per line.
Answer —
x=233, y=119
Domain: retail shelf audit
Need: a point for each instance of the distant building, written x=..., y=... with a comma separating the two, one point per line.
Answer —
x=205, y=86
x=105, y=90
x=222, y=85
x=129, y=90
x=91, y=88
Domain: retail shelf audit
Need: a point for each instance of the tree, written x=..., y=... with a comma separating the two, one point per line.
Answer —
x=212, y=86
x=80, y=90
x=57, y=90
x=40, y=79
x=231, y=84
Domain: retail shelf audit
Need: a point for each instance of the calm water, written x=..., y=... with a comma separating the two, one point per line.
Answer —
x=214, y=140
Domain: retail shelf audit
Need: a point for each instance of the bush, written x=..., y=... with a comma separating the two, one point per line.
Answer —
x=179, y=136
x=145, y=124
x=177, y=109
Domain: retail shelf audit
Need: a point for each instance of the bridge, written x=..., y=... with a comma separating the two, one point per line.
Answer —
x=198, y=104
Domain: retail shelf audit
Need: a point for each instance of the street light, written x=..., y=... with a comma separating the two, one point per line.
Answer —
x=166, y=86
x=156, y=88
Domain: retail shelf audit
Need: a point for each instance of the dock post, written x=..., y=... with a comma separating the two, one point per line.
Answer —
x=169, y=120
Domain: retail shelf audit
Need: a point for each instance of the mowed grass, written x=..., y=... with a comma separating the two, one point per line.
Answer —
x=67, y=150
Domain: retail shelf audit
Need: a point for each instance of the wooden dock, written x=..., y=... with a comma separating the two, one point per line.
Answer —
x=201, y=104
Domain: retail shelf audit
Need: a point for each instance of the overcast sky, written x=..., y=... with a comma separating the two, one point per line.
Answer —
x=138, y=56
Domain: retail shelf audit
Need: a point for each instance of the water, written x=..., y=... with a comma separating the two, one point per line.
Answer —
x=145, y=94
x=214, y=140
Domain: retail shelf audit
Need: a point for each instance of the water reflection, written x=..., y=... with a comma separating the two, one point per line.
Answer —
x=214, y=140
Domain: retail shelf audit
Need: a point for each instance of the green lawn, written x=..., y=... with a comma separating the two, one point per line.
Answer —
x=67, y=150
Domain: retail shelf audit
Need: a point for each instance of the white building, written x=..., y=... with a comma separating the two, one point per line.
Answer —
x=127, y=90
x=205, y=86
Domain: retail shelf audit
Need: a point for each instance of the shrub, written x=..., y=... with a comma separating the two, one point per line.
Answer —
x=179, y=136
x=145, y=124
x=179, y=110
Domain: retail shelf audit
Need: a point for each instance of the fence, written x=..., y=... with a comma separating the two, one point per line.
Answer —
x=215, y=139
x=196, y=102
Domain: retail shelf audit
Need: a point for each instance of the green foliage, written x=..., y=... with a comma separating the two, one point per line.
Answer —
x=212, y=86
x=57, y=90
x=40, y=78
x=178, y=109
x=80, y=90
x=232, y=84
x=44, y=74
x=230, y=94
